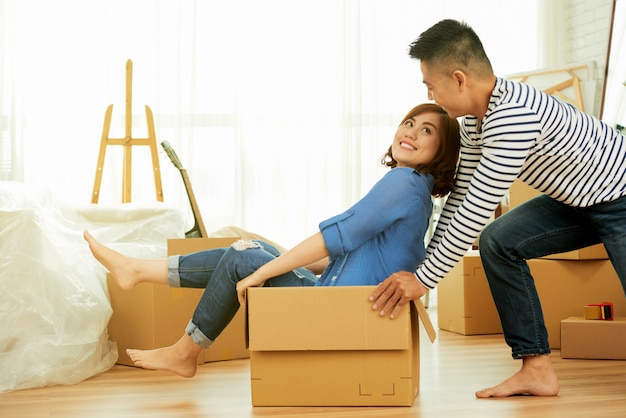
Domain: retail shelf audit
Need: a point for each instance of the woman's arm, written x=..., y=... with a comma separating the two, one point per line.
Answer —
x=319, y=266
x=311, y=250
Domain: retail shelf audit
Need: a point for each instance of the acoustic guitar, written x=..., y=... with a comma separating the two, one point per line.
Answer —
x=198, y=230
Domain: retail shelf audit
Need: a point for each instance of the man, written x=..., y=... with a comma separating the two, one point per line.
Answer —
x=511, y=130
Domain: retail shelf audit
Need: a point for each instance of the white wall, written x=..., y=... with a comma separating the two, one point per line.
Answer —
x=586, y=26
x=573, y=31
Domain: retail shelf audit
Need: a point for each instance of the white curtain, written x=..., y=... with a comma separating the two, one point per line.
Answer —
x=614, y=111
x=278, y=109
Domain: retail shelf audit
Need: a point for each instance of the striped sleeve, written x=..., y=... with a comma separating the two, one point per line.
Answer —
x=488, y=165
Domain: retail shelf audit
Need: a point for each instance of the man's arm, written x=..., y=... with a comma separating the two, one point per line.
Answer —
x=395, y=291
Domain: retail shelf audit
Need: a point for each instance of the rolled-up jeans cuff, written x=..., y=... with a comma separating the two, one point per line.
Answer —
x=173, y=279
x=198, y=336
x=530, y=353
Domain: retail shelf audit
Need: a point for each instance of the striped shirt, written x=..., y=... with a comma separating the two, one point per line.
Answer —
x=549, y=144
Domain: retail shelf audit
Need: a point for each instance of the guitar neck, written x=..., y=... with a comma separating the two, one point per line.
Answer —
x=198, y=223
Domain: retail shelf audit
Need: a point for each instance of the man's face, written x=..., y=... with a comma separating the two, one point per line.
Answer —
x=445, y=90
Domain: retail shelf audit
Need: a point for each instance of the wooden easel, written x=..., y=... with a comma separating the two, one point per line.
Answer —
x=127, y=142
x=557, y=89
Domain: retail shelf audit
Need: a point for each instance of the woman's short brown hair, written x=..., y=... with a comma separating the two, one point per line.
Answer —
x=443, y=165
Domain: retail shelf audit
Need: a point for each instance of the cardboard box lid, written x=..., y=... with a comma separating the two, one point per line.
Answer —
x=326, y=318
x=578, y=320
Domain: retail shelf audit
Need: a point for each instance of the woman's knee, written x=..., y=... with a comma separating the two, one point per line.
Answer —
x=245, y=256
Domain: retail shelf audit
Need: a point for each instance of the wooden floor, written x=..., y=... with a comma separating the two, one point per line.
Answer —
x=451, y=370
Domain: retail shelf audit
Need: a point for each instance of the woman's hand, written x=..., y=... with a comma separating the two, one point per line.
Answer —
x=251, y=281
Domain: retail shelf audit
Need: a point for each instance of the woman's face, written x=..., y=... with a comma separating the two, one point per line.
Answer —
x=417, y=140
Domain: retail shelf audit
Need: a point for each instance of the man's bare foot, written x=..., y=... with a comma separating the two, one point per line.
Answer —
x=536, y=377
x=121, y=267
x=180, y=358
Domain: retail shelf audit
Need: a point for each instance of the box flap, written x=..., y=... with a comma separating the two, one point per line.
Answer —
x=322, y=318
x=177, y=246
x=423, y=315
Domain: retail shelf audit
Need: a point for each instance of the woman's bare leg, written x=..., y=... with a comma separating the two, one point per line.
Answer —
x=536, y=377
x=180, y=358
x=127, y=271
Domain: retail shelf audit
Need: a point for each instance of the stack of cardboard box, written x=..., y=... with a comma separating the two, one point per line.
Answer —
x=565, y=282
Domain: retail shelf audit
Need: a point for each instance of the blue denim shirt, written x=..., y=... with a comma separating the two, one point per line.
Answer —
x=382, y=233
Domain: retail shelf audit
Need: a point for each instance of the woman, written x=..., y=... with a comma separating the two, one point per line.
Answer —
x=379, y=235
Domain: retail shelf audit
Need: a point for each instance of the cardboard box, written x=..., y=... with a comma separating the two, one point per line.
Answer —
x=520, y=192
x=325, y=346
x=151, y=316
x=565, y=286
x=593, y=339
x=464, y=302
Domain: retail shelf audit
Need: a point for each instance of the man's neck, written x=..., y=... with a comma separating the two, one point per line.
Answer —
x=484, y=90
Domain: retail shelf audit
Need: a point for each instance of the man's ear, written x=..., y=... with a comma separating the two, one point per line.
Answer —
x=460, y=78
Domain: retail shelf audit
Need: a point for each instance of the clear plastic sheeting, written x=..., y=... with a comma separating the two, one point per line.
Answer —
x=54, y=306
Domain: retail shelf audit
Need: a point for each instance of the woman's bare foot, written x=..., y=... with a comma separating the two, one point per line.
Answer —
x=180, y=358
x=119, y=265
x=536, y=377
x=127, y=271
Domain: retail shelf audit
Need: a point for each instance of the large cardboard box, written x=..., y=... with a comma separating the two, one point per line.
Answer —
x=520, y=192
x=565, y=286
x=325, y=346
x=151, y=316
x=593, y=339
x=464, y=302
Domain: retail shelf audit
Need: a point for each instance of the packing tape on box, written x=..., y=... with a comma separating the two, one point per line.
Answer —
x=601, y=311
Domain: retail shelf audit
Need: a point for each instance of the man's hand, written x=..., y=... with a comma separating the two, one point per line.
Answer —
x=395, y=291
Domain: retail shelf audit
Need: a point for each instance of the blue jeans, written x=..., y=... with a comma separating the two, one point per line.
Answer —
x=540, y=227
x=217, y=271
